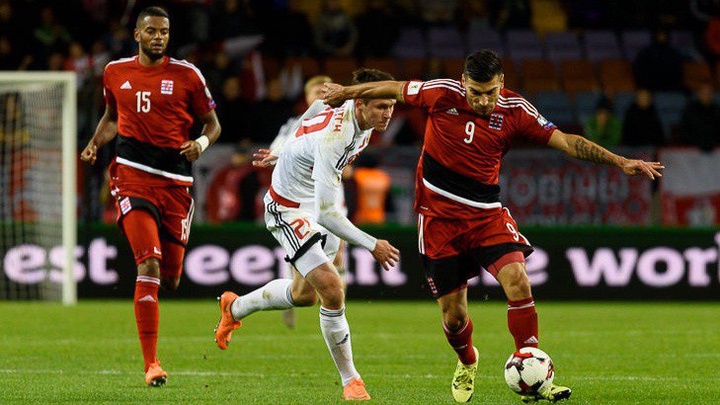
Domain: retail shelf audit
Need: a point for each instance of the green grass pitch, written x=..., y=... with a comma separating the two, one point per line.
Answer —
x=608, y=353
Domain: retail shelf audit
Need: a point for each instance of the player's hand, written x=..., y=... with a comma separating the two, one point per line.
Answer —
x=386, y=254
x=633, y=167
x=191, y=150
x=263, y=158
x=333, y=94
x=89, y=154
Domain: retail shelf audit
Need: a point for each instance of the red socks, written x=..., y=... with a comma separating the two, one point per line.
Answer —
x=147, y=316
x=461, y=342
x=523, y=322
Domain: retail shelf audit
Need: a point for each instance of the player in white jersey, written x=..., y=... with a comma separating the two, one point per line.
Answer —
x=299, y=204
x=314, y=90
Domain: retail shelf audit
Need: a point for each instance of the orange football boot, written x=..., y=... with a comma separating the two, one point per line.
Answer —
x=355, y=391
x=227, y=324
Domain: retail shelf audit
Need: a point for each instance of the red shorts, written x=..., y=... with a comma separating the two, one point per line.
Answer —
x=170, y=205
x=453, y=251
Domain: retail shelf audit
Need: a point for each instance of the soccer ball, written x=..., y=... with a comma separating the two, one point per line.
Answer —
x=529, y=371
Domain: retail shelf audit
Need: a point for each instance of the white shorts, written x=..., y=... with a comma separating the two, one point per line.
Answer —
x=296, y=229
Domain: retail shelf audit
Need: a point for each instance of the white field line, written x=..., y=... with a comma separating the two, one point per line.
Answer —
x=444, y=376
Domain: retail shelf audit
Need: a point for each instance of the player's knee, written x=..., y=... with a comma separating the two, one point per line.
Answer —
x=333, y=295
x=305, y=298
x=454, y=318
x=517, y=283
x=170, y=283
x=454, y=324
x=149, y=267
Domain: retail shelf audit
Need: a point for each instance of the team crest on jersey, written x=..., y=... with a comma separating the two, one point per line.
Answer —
x=166, y=87
x=496, y=121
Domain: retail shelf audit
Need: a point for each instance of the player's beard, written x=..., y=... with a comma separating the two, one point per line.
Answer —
x=484, y=111
x=153, y=56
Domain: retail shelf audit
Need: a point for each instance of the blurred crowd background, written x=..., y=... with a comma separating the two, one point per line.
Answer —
x=640, y=75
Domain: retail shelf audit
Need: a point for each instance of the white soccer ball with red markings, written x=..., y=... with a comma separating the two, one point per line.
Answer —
x=529, y=371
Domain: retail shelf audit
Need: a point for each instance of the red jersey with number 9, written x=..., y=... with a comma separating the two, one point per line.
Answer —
x=457, y=176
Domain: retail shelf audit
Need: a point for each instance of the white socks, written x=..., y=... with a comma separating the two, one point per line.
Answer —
x=273, y=295
x=336, y=331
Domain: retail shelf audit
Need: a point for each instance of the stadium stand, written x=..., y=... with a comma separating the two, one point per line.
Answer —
x=622, y=100
x=512, y=77
x=696, y=73
x=388, y=65
x=485, y=39
x=308, y=66
x=412, y=68
x=523, y=45
x=562, y=46
x=453, y=68
x=539, y=75
x=340, y=69
x=578, y=75
x=556, y=107
x=585, y=104
x=601, y=44
x=410, y=44
x=616, y=75
x=670, y=105
x=633, y=41
x=446, y=42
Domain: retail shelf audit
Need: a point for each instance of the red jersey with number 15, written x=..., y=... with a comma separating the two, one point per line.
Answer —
x=156, y=106
x=457, y=176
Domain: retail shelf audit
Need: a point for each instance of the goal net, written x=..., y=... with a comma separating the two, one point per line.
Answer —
x=38, y=217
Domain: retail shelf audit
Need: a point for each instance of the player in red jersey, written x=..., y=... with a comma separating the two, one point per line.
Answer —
x=463, y=226
x=150, y=101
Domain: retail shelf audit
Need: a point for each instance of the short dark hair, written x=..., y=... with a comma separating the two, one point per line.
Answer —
x=153, y=11
x=364, y=75
x=483, y=65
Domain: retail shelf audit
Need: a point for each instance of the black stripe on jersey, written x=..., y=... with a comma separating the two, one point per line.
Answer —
x=164, y=159
x=458, y=184
x=284, y=226
x=343, y=159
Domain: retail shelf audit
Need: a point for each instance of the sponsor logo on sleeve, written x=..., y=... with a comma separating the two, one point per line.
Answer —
x=413, y=88
x=544, y=122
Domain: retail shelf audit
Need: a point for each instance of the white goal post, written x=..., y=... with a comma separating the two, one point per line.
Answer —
x=38, y=185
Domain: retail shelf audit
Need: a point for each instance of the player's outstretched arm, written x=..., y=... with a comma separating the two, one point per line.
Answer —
x=329, y=217
x=105, y=131
x=210, y=133
x=582, y=148
x=336, y=94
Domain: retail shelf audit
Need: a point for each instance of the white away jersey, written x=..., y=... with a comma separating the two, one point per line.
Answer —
x=318, y=151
